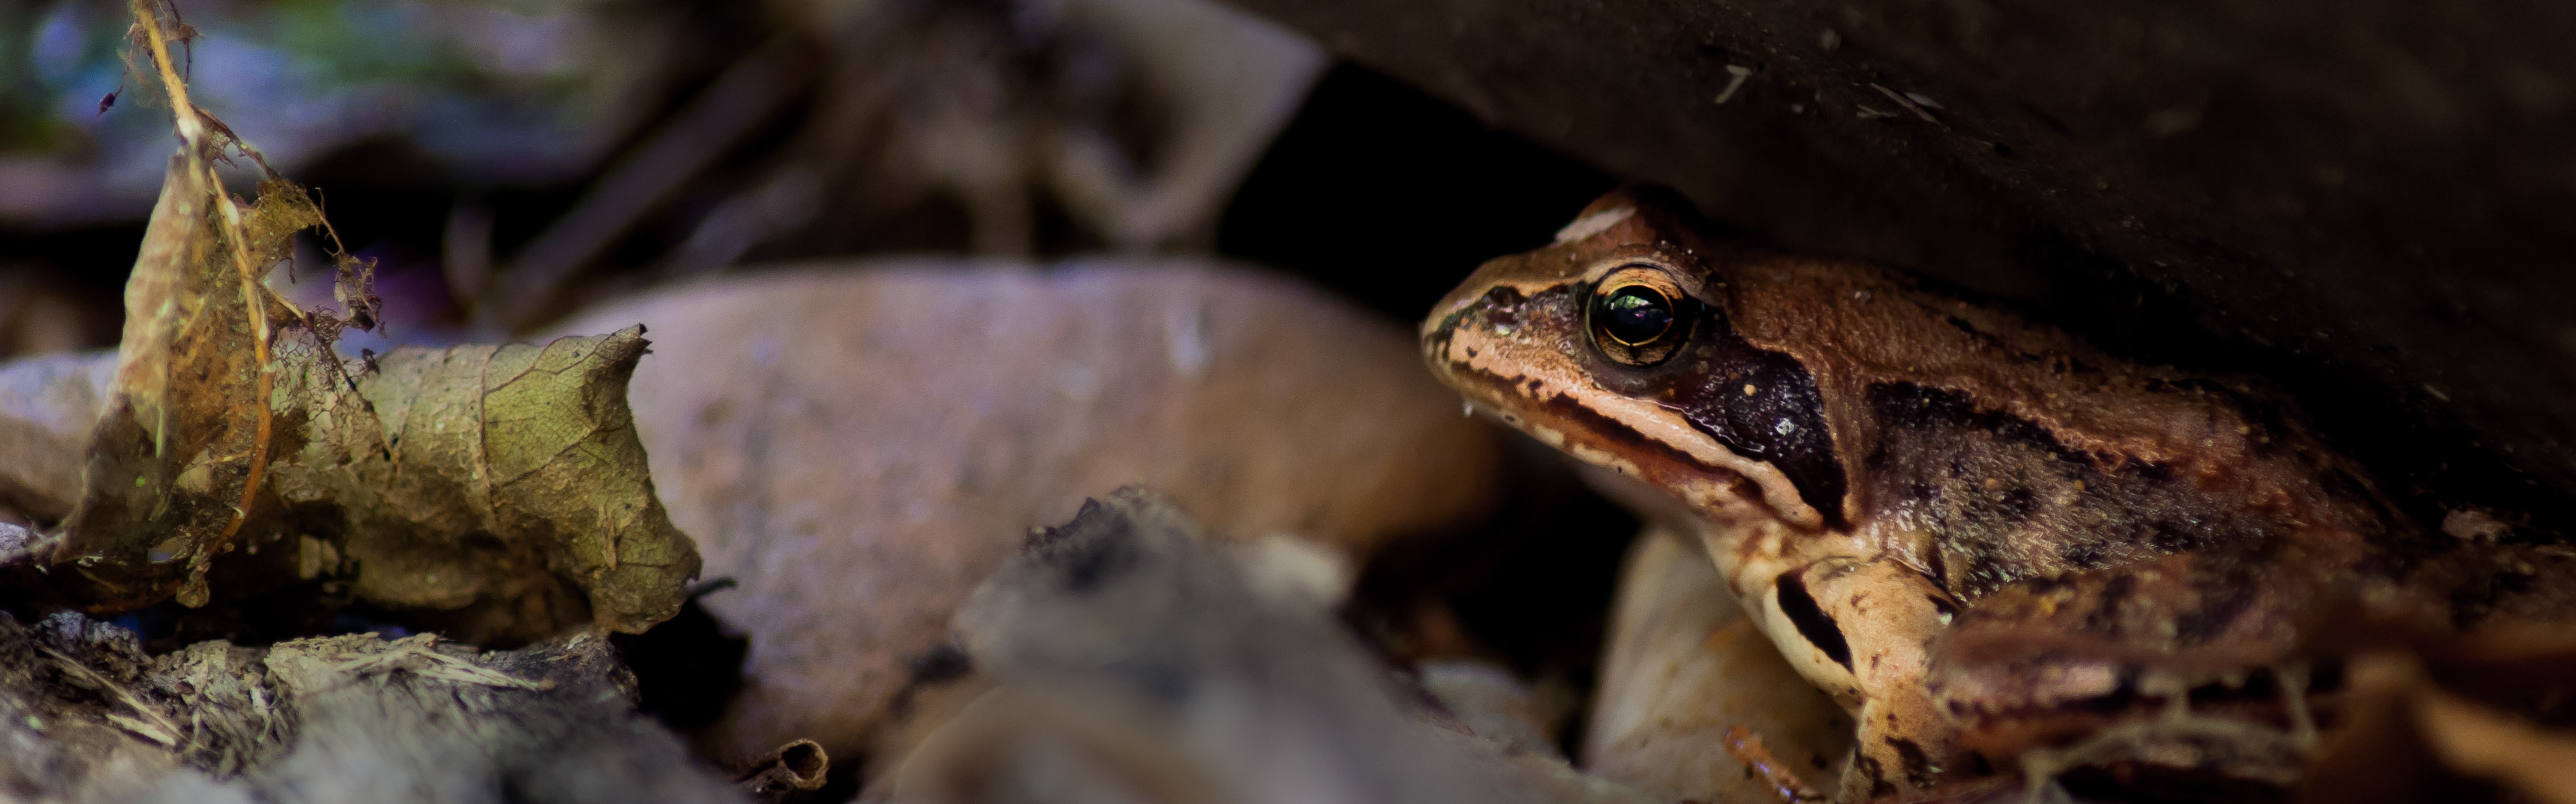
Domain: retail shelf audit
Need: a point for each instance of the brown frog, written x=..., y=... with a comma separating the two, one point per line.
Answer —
x=1999, y=549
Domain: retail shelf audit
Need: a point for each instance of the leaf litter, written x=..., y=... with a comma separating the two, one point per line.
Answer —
x=501, y=490
x=491, y=494
x=89, y=716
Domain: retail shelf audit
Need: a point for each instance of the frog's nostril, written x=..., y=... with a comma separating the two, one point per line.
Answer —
x=1811, y=619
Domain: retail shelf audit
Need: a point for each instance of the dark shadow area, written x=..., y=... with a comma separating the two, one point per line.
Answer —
x=686, y=669
x=1391, y=196
x=85, y=265
x=255, y=620
x=1531, y=588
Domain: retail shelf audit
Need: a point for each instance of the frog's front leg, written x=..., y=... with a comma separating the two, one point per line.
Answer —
x=1862, y=629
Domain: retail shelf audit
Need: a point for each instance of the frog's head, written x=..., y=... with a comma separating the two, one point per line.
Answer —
x=1613, y=344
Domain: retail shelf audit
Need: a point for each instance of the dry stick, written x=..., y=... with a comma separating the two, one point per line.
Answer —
x=740, y=100
x=171, y=732
x=1910, y=106
x=440, y=666
x=191, y=132
x=259, y=350
x=1749, y=749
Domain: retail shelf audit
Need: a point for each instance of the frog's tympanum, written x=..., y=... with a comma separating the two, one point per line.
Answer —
x=2003, y=551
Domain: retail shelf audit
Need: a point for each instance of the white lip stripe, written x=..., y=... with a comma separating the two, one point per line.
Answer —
x=1593, y=224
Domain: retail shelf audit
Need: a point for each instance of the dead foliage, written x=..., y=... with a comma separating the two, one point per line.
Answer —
x=501, y=483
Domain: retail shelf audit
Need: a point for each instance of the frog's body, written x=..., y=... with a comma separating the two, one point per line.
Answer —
x=1978, y=534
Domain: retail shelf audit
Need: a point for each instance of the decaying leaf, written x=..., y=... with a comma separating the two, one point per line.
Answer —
x=185, y=435
x=506, y=480
x=179, y=452
x=503, y=483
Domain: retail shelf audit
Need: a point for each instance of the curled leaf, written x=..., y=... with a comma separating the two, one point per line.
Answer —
x=179, y=451
x=504, y=484
x=505, y=479
x=184, y=437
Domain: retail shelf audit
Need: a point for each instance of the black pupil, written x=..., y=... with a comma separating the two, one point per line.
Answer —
x=1636, y=314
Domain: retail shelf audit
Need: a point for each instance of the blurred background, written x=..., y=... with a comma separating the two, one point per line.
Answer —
x=504, y=161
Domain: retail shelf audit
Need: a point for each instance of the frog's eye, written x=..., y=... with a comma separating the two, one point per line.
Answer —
x=1639, y=316
x=1636, y=314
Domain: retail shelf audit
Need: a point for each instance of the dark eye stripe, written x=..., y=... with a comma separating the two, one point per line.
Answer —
x=1764, y=405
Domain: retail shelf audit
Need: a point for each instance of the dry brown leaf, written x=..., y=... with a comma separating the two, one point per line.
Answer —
x=504, y=483
x=503, y=480
x=179, y=452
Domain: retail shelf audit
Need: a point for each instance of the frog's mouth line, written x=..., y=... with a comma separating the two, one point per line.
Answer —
x=1568, y=417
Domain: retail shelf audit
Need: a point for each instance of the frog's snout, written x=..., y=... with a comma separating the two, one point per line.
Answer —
x=1462, y=312
x=1436, y=329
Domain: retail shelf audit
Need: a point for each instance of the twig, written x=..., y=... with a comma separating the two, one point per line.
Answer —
x=1910, y=106
x=251, y=297
x=161, y=730
x=191, y=130
x=1738, y=73
x=787, y=774
x=441, y=666
x=1748, y=748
